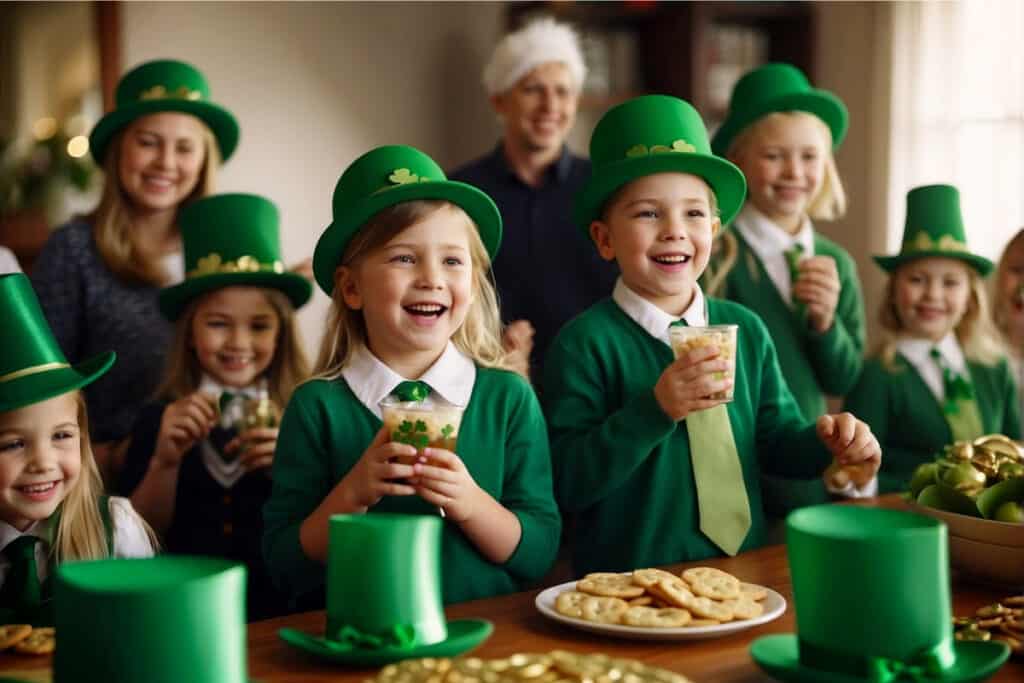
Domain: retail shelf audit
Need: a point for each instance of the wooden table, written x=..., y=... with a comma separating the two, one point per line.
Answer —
x=519, y=627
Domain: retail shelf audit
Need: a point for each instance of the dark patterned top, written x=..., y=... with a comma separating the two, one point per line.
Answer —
x=91, y=311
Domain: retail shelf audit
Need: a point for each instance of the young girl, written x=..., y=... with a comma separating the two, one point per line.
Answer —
x=1008, y=310
x=782, y=134
x=198, y=464
x=51, y=505
x=406, y=262
x=940, y=377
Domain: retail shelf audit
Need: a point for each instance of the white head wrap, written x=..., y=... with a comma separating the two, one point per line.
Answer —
x=539, y=42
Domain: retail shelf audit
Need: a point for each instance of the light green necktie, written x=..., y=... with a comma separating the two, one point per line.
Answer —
x=721, y=492
x=793, y=257
x=959, y=408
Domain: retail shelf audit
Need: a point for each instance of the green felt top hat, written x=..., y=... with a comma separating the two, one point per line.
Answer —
x=390, y=175
x=161, y=620
x=32, y=366
x=778, y=88
x=387, y=606
x=648, y=135
x=164, y=85
x=934, y=227
x=871, y=588
x=231, y=239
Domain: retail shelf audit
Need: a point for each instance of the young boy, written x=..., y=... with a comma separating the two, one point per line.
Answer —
x=654, y=469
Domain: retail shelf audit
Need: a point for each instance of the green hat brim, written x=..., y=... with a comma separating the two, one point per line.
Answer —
x=221, y=122
x=480, y=208
x=463, y=635
x=890, y=263
x=41, y=386
x=820, y=103
x=173, y=299
x=779, y=656
x=725, y=179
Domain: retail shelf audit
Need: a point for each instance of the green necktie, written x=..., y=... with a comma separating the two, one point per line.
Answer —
x=793, y=257
x=21, y=590
x=721, y=493
x=959, y=408
x=412, y=391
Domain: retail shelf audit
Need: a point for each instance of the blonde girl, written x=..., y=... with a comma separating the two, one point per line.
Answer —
x=199, y=461
x=1008, y=307
x=51, y=505
x=939, y=376
x=414, y=321
x=782, y=133
x=98, y=276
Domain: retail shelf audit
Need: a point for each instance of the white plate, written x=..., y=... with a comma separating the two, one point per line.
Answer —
x=774, y=606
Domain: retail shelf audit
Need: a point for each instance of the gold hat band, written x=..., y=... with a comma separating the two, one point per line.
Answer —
x=24, y=372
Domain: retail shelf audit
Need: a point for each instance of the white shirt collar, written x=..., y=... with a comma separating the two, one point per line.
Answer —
x=654, y=320
x=8, y=534
x=918, y=353
x=452, y=376
x=209, y=385
x=770, y=243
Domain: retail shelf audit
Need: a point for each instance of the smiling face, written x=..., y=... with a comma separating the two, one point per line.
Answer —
x=1010, y=290
x=161, y=160
x=783, y=157
x=40, y=459
x=415, y=291
x=931, y=296
x=540, y=109
x=234, y=334
x=659, y=229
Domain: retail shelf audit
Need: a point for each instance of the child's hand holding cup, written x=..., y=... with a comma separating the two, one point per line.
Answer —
x=702, y=375
x=427, y=423
x=722, y=337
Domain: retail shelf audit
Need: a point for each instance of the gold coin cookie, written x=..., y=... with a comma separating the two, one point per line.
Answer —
x=604, y=610
x=42, y=641
x=648, y=617
x=712, y=583
x=642, y=601
x=11, y=634
x=570, y=603
x=709, y=609
x=753, y=591
x=744, y=608
x=674, y=591
x=649, y=577
x=609, y=585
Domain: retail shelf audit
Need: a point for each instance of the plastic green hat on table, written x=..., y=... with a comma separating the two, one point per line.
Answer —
x=32, y=366
x=231, y=239
x=778, y=88
x=160, y=620
x=648, y=135
x=390, y=175
x=384, y=594
x=159, y=86
x=934, y=227
x=872, y=596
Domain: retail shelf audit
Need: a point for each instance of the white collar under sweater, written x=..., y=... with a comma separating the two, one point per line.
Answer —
x=770, y=243
x=918, y=353
x=654, y=320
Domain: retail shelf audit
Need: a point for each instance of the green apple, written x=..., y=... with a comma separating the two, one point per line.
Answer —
x=1010, y=511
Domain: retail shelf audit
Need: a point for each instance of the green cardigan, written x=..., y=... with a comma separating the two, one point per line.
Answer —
x=908, y=421
x=622, y=466
x=502, y=441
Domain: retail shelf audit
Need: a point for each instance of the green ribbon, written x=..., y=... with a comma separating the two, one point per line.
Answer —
x=412, y=391
x=927, y=666
x=955, y=386
x=348, y=638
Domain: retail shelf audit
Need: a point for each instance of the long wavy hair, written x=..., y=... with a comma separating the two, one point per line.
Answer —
x=479, y=336
x=116, y=241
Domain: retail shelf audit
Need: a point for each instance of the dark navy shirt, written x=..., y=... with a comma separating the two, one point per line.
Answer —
x=547, y=271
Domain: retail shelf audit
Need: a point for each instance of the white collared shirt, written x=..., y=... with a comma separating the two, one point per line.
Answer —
x=130, y=537
x=918, y=353
x=452, y=376
x=654, y=320
x=770, y=243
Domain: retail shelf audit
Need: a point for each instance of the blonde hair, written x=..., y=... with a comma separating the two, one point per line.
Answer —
x=999, y=299
x=977, y=335
x=479, y=336
x=116, y=241
x=288, y=368
x=81, y=533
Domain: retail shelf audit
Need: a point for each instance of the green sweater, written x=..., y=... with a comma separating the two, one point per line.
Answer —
x=908, y=421
x=502, y=440
x=622, y=466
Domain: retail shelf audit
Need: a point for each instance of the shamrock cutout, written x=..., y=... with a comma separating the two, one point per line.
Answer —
x=683, y=146
x=403, y=176
x=636, y=151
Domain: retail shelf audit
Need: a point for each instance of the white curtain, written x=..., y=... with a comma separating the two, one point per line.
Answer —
x=957, y=113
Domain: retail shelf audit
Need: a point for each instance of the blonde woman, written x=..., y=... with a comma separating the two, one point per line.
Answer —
x=98, y=277
x=51, y=509
x=1008, y=307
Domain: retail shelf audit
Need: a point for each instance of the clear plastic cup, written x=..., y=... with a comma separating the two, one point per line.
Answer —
x=424, y=424
x=684, y=339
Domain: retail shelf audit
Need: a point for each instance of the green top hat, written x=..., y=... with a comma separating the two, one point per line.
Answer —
x=387, y=606
x=934, y=227
x=231, y=239
x=164, y=85
x=871, y=589
x=774, y=88
x=648, y=135
x=32, y=366
x=162, y=620
x=390, y=175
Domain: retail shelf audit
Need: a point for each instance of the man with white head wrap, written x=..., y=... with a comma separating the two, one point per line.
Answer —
x=545, y=271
